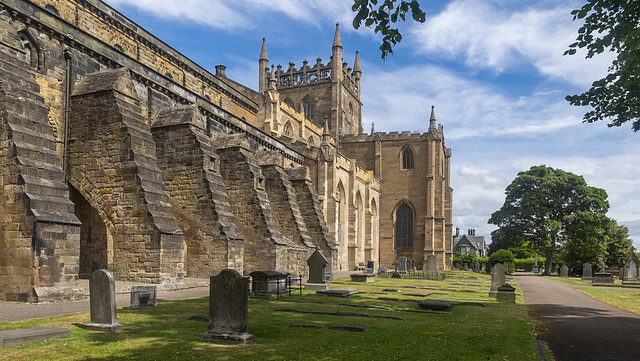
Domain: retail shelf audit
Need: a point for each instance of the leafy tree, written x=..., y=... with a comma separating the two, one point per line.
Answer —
x=611, y=25
x=536, y=203
x=470, y=258
x=596, y=239
x=384, y=13
x=501, y=256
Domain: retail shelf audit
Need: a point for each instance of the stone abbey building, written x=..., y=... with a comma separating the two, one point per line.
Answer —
x=118, y=152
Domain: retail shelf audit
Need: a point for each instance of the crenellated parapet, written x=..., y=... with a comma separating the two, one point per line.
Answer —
x=306, y=75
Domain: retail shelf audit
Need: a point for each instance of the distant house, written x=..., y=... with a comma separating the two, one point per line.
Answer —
x=466, y=242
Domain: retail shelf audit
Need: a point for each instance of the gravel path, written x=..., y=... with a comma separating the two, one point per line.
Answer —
x=580, y=327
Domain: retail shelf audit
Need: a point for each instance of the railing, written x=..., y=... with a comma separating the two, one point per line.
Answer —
x=277, y=287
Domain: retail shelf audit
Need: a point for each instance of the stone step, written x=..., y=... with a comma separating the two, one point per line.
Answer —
x=31, y=335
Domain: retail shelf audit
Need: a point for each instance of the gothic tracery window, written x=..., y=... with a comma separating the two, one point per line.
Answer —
x=407, y=159
x=404, y=226
x=308, y=109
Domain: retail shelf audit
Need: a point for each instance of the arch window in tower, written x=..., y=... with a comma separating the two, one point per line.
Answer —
x=407, y=159
x=308, y=109
x=404, y=226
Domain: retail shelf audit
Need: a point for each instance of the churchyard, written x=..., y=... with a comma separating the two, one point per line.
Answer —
x=311, y=327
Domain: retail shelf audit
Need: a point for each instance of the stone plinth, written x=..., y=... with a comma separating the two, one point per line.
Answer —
x=602, y=278
x=363, y=277
x=506, y=294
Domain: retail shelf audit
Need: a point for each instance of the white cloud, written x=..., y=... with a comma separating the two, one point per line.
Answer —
x=487, y=37
x=243, y=14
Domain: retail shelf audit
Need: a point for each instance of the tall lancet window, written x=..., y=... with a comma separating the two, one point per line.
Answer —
x=407, y=159
x=404, y=226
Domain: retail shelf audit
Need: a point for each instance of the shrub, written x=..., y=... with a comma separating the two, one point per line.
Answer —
x=501, y=256
x=527, y=263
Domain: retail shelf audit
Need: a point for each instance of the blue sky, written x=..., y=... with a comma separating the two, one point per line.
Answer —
x=494, y=71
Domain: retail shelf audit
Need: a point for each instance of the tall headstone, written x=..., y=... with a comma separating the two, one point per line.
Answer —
x=564, y=271
x=432, y=264
x=534, y=268
x=476, y=267
x=102, y=302
x=228, y=308
x=317, y=272
x=401, y=266
x=497, y=278
x=587, y=273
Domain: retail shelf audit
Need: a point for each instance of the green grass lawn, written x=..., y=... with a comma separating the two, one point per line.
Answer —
x=495, y=332
x=627, y=298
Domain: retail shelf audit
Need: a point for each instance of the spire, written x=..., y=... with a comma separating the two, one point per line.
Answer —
x=356, y=64
x=432, y=120
x=263, y=51
x=336, y=39
x=272, y=80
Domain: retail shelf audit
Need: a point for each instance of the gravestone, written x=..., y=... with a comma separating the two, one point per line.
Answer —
x=587, y=273
x=506, y=293
x=411, y=265
x=483, y=269
x=602, y=279
x=564, y=271
x=228, y=308
x=534, y=268
x=476, y=267
x=465, y=266
x=497, y=279
x=631, y=271
x=432, y=264
x=506, y=267
x=401, y=265
x=317, y=272
x=102, y=302
x=142, y=296
x=269, y=284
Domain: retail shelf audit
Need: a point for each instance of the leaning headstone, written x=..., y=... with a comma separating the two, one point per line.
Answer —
x=497, y=279
x=587, y=273
x=432, y=264
x=228, y=308
x=142, y=296
x=506, y=293
x=317, y=272
x=564, y=271
x=102, y=302
x=401, y=266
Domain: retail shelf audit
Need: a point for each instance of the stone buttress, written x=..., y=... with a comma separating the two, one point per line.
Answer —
x=113, y=165
x=191, y=169
x=39, y=233
x=265, y=248
x=286, y=211
x=311, y=210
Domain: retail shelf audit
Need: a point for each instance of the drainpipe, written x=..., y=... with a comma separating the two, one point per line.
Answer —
x=67, y=102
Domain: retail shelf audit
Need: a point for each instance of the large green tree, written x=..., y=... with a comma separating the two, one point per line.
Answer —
x=611, y=25
x=382, y=14
x=596, y=239
x=537, y=202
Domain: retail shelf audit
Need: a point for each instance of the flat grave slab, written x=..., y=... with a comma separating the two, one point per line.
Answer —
x=339, y=292
x=438, y=305
x=418, y=293
x=31, y=335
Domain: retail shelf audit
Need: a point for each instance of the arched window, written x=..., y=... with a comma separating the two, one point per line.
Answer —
x=308, y=108
x=289, y=102
x=407, y=159
x=310, y=141
x=52, y=9
x=404, y=226
x=287, y=130
x=118, y=48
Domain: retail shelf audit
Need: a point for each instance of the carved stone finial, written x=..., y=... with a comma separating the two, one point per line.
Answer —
x=373, y=129
x=337, y=42
x=432, y=119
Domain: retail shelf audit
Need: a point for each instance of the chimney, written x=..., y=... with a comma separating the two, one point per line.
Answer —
x=220, y=71
x=457, y=231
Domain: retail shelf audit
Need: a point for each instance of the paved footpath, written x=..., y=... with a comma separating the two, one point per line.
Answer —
x=580, y=327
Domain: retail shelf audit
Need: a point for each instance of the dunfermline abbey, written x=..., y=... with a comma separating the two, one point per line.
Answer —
x=120, y=153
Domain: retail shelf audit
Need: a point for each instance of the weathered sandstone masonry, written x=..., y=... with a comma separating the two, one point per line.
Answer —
x=112, y=151
x=39, y=233
x=191, y=169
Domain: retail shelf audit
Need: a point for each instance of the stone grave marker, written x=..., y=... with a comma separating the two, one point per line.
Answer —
x=317, y=272
x=228, y=308
x=587, y=273
x=102, y=302
x=465, y=266
x=143, y=296
x=432, y=264
x=506, y=293
x=564, y=271
x=534, y=268
x=476, y=267
x=631, y=269
x=497, y=279
x=506, y=267
x=401, y=265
